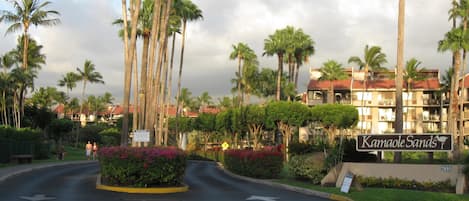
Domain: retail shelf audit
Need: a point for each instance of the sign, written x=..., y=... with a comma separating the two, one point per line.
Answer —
x=141, y=136
x=405, y=142
x=225, y=146
x=346, y=183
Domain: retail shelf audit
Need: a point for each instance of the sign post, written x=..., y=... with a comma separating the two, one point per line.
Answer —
x=346, y=183
x=141, y=136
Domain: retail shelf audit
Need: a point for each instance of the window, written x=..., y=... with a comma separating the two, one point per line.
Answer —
x=364, y=96
x=407, y=96
x=363, y=110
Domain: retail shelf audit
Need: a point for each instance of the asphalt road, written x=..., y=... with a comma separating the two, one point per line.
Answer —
x=77, y=183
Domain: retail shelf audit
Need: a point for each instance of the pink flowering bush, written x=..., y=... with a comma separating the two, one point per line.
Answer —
x=259, y=164
x=142, y=167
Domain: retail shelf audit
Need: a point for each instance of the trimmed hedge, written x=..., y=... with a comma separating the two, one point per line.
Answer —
x=142, y=167
x=22, y=141
x=257, y=164
x=441, y=186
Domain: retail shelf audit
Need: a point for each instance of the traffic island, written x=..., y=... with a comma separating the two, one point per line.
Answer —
x=155, y=170
x=147, y=190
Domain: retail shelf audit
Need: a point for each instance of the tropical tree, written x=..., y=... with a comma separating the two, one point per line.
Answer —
x=25, y=14
x=205, y=99
x=412, y=73
x=454, y=41
x=69, y=81
x=225, y=102
x=255, y=116
x=188, y=11
x=331, y=71
x=244, y=54
x=398, y=124
x=276, y=44
x=88, y=74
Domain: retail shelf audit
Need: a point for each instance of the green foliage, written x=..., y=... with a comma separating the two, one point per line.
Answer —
x=142, y=167
x=36, y=117
x=185, y=124
x=59, y=127
x=298, y=148
x=205, y=122
x=441, y=186
x=308, y=167
x=335, y=115
x=290, y=113
x=21, y=141
x=352, y=155
x=257, y=164
x=91, y=132
x=110, y=137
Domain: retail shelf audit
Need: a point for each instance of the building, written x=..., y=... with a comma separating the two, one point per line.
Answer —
x=424, y=112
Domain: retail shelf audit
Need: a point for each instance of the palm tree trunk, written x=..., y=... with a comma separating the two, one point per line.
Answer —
x=399, y=77
x=463, y=95
x=135, y=9
x=240, y=100
x=296, y=75
x=279, y=75
x=135, y=113
x=143, y=80
x=454, y=104
x=180, y=74
x=169, y=88
x=25, y=47
x=163, y=96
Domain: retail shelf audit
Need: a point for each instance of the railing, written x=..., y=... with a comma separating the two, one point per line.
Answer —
x=431, y=102
x=387, y=102
x=384, y=118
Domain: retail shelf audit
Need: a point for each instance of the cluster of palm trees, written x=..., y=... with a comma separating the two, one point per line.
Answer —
x=155, y=21
x=457, y=41
x=292, y=47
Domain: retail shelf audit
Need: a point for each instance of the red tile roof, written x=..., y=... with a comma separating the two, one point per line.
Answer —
x=429, y=84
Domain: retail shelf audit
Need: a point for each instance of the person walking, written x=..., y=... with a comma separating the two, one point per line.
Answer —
x=88, y=149
x=95, y=150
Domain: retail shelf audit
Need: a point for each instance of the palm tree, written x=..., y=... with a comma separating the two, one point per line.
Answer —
x=412, y=73
x=454, y=41
x=69, y=81
x=399, y=71
x=276, y=44
x=331, y=71
x=241, y=52
x=25, y=14
x=188, y=12
x=185, y=98
x=304, y=49
x=88, y=74
x=205, y=99
x=373, y=59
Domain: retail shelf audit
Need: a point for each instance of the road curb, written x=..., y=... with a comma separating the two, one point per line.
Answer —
x=305, y=191
x=160, y=190
x=21, y=170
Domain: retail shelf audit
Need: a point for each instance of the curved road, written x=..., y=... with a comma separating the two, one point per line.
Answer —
x=77, y=183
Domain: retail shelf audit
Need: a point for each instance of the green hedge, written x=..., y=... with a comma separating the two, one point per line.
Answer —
x=22, y=141
x=257, y=164
x=442, y=186
x=308, y=167
x=142, y=167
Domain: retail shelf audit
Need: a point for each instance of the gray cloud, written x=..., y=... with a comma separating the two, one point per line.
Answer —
x=340, y=28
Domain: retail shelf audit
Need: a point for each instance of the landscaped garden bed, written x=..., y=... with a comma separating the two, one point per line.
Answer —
x=257, y=164
x=142, y=167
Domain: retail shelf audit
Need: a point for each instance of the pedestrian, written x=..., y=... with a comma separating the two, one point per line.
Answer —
x=95, y=150
x=88, y=148
x=61, y=152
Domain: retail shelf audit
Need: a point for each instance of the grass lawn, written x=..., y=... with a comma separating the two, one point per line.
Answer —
x=381, y=194
x=72, y=154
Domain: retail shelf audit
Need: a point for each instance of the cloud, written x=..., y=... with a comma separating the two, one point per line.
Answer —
x=340, y=28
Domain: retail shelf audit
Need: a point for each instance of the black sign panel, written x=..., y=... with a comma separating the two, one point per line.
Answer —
x=405, y=142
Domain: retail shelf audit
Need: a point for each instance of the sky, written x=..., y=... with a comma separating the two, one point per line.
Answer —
x=340, y=29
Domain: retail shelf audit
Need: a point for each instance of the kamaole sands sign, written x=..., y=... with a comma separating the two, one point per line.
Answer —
x=405, y=142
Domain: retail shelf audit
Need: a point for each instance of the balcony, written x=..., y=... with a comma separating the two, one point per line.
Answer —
x=386, y=102
x=466, y=115
x=433, y=117
x=431, y=102
x=387, y=118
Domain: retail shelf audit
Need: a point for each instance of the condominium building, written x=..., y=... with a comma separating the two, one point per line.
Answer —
x=424, y=110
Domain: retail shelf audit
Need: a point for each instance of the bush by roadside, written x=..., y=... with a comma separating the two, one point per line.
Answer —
x=142, y=167
x=257, y=164
x=308, y=167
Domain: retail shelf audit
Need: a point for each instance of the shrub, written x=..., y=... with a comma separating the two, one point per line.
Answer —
x=258, y=164
x=299, y=148
x=110, y=137
x=308, y=167
x=441, y=186
x=142, y=167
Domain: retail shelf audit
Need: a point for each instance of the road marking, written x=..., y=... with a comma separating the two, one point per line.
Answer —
x=37, y=197
x=262, y=198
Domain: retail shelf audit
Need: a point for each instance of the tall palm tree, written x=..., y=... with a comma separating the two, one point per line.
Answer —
x=331, y=71
x=454, y=41
x=241, y=52
x=398, y=124
x=205, y=99
x=412, y=73
x=276, y=44
x=88, y=74
x=373, y=59
x=188, y=12
x=304, y=48
x=69, y=81
x=25, y=14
